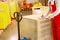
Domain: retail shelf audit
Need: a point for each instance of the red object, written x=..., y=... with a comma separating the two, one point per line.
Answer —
x=30, y=4
x=30, y=8
x=56, y=27
x=24, y=5
x=24, y=2
x=52, y=7
x=55, y=23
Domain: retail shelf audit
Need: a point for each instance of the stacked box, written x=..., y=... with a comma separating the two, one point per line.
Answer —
x=41, y=10
x=35, y=28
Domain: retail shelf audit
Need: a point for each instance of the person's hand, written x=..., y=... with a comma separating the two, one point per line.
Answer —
x=49, y=16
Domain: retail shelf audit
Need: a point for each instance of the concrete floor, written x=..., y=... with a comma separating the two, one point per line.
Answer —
x=10, y=33
x=1, y=31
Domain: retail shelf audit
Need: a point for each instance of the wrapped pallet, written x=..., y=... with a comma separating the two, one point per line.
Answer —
x=36, y=28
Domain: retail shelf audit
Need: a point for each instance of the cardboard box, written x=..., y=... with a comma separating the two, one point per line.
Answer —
x=35, y=28
x=41, y=10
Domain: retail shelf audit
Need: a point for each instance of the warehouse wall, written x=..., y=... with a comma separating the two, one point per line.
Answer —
x=32, y=1
x=44, y=2
x=29, y=1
